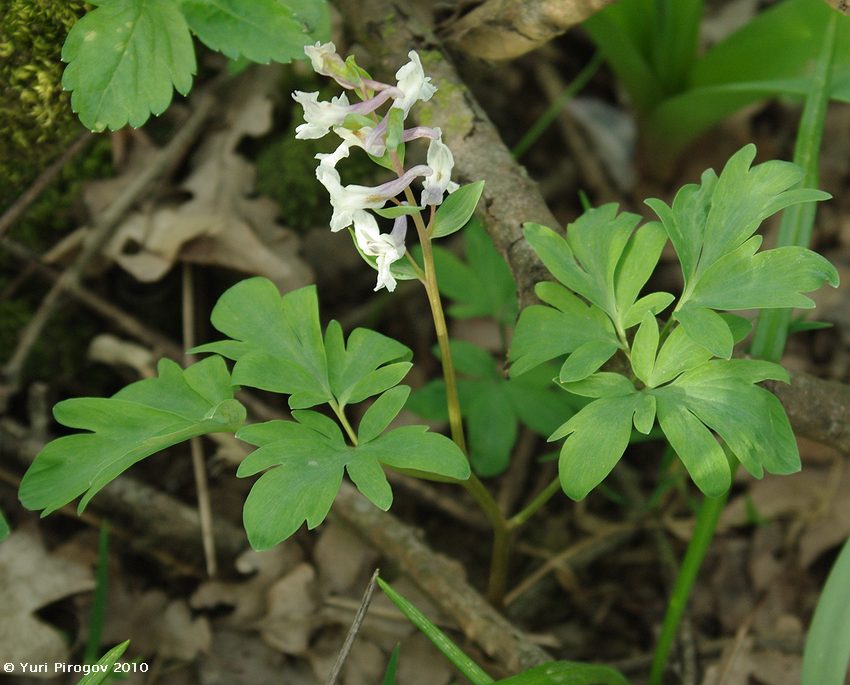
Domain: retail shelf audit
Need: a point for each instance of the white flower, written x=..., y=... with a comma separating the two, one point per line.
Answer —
x=320, y=116
x=327, y=62
x=413, y=84
x=371, y=138
x=385, y=247
x=441, y=162
x=348, y=200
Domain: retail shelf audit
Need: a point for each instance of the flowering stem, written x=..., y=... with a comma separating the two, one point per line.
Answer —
x=500, y=558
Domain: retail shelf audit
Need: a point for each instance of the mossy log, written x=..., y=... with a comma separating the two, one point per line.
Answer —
x=36, y=120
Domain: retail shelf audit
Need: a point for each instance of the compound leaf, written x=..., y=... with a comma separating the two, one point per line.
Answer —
x=585, y=360
x=644, y=347
x=260, y=30
x=277, y=345
x=366, y=365
x=304, y=468
x=138, y=421
x=125, y=58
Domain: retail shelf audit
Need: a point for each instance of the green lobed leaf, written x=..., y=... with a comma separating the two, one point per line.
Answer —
x=544, y=333
x=601, y=384
x=456, y=210
x=567, y=673
x=138, y=421
x=483, y=285
x=277, y=345
x=381, y=413
x=125, y=58
x=366, y=365
x=707, y=328
x=645, y=347
x=751, y=420
x=712, y=220
x=261, y=30
x=491, y=423
x=638, y=261
x=597, y=436
x=769, y=279
x=585, y=360
x=699, y=451
x=304, y=461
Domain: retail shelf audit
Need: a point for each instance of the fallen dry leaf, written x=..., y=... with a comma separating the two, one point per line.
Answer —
x=249, y=597
x=155, y=624
x=222, y=224
x=342, y=559
x=292, y=614
x=31, y=578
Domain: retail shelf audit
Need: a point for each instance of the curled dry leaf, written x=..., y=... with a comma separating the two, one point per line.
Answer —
x=31, y=578
x=108, y=349
x=291, y=613
x=222, y=224
x=249, y=597
x=155, y=624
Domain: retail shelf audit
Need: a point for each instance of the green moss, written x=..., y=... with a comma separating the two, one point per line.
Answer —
x=36, y=120
x=455, y=117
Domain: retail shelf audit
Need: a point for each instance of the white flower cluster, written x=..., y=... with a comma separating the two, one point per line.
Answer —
x=369, y=131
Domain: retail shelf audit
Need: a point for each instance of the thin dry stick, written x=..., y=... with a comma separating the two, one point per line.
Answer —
x=126, y=322
x=195, y=446
x=30, y=195
x=594, y=546
x=352, y=632
x=99, y=236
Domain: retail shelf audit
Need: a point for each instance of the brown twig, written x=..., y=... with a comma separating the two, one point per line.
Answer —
x=195, y=447
x=31, y=194
x=353, y=630
x=442, y=580
x=100, y=234
x=504, y=29
x=446, y=504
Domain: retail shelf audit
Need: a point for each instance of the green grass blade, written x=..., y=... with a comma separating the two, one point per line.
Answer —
x=103, y=672
x=827, y=650
x=392, y=667
x=4, y=527
x=797, y=221
x=473, y=672
x=674, y=51
x=574, y=88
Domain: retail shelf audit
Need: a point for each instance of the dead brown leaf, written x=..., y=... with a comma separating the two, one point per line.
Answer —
x=292, y=611
x=221, y=224
x=31, y=578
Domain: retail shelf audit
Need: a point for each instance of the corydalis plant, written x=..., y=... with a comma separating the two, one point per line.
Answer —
x=382, y=136
x=276, y=344
x=682, y=374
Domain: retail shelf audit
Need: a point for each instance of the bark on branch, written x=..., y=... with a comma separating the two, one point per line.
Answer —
x=505, y=29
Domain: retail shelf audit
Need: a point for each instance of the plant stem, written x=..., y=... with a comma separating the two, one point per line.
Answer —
x=500, y=558
x=534, y=505
x=343, y=419
x=706, y=524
